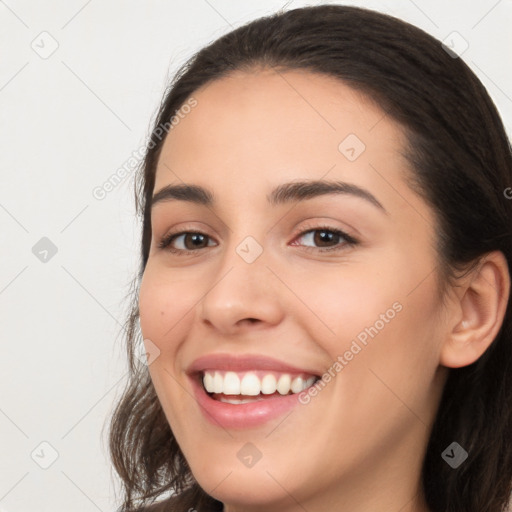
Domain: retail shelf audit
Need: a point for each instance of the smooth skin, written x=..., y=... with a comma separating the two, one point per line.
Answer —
x=358, y=445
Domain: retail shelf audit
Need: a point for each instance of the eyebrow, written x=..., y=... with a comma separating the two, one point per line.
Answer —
x=284, y=193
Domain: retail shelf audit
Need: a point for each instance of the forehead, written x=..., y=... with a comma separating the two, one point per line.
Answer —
x=253, y=130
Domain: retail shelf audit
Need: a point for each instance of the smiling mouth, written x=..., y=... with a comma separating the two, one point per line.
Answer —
x=253, y=386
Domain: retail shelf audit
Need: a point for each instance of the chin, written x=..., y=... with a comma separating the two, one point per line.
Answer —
x=245, y=491
x=227, y=480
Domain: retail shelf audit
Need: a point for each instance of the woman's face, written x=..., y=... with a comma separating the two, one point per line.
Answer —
x=257, y=290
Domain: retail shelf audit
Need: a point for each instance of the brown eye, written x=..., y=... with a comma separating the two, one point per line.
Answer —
x=193, y=240
x=186, y=241
x=326, y=239
x=323, y=237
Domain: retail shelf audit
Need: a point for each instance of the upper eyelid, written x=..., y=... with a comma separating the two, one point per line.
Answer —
x=310, y=225
x=303, y=230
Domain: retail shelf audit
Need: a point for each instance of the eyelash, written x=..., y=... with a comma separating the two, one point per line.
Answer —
x=165, y=242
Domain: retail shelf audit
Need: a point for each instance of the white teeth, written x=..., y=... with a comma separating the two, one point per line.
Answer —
x=208, y=382
x=309, y=382
x=218, y=383
x=284, y=384
x=249, y=384
x=231, y=384
x=268, y=384
x=297, y=385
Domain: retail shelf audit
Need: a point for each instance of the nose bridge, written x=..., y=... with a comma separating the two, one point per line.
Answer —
x=241, y=287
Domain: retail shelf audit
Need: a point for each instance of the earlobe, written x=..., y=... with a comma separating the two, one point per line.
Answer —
x=482, y=304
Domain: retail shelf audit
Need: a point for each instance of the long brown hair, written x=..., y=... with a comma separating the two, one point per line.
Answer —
x=461, y=164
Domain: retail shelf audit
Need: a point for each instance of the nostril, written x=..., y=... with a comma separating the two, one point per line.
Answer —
x=249, y=320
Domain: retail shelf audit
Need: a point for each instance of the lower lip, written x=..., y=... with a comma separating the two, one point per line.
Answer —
x=242, y=416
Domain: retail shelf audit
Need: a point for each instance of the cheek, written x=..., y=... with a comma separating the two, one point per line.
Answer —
x=349, y=299
x=166, y=310
x=165, y=306
x=388, y=308
x=386, y=339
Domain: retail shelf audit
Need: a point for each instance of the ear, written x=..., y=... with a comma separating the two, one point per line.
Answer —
x=478, y=313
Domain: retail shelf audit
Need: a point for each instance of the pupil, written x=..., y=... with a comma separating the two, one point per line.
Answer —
x=196, y=237
x=325, y=236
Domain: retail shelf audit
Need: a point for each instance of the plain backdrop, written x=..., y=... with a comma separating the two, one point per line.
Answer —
x=80, y=82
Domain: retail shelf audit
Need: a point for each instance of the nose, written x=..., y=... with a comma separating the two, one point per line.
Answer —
x=242, y=296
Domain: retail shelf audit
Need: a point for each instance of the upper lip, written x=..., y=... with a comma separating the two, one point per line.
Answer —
x=230, y=362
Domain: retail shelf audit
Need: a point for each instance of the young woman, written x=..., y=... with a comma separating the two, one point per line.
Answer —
x=325, y=276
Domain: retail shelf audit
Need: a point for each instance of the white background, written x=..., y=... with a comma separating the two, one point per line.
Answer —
x=68, y=122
